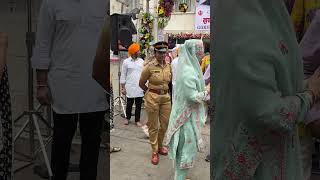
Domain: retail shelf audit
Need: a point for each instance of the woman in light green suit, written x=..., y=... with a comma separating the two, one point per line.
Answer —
x=188, y=113
x=259, y=94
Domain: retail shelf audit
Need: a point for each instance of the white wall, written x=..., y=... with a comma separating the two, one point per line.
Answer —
x=181, y=22
x=115, y=7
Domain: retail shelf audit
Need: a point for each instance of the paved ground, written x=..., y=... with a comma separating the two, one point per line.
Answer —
x=133, y=163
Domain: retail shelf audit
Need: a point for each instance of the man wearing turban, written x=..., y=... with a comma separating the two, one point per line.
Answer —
x=129, y=80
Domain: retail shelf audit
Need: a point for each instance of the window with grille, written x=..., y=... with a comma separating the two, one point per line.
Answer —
x=191, y=5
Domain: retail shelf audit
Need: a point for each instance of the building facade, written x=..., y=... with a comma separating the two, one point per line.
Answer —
x=180, y=22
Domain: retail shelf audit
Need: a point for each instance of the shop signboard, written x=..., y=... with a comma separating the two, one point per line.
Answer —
x=202, y=22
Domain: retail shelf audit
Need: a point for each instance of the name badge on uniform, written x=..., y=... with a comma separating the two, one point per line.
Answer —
x=155, y=71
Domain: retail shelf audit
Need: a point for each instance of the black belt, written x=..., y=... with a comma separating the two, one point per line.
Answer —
x=158, y=91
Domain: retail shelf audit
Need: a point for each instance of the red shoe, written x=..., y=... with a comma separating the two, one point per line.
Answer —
x=163, y=151
x=155, y=159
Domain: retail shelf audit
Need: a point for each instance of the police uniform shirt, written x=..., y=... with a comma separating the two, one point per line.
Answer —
x=158, y=76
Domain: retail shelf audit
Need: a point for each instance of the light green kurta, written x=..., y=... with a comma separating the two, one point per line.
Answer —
x=188, y=111
x=258, y=95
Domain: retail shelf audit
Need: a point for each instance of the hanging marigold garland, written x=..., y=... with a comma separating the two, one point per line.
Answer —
x=165, y=8
x=146, y=32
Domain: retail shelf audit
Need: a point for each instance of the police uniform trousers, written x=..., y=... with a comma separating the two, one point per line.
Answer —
x=158, y=109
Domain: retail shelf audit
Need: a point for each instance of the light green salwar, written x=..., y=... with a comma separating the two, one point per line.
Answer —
x=188, y=111
x=180, y=174
x=258, y=95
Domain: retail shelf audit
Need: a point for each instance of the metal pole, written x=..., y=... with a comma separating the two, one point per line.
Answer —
x=134, y=5
x=155, y=25
x=29, y=41
x=29, y=46
x=121, y=8
x=46, y=159
x=147, y=6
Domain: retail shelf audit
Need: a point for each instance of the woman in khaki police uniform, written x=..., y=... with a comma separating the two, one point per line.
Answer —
x=157, y=99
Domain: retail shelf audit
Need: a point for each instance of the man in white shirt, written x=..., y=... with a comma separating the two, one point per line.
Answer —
x=129, y=80
x=67, y=38
x=174, y=65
